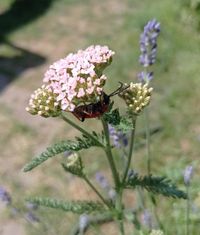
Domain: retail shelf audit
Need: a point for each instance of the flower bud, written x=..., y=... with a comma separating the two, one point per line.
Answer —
x=43, y=103
x=137, y=96
x=73, y=160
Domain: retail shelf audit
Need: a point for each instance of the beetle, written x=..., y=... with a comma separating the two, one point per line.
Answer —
x=94, y=110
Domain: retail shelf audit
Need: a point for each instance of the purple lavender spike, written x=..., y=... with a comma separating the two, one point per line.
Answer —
x=187, y=175
x=31, y=217
x=100, y=178
x=147, y=219
x=148, y=43
x=145, y=76
x=83, y=222
x=5, y=196
x=119, y=138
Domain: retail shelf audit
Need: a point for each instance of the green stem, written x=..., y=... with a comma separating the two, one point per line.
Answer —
x=108, y=152
x=96, y=191
x=187, y=210
x=148, y=153
x=130, y=150
x=119, y=209
x=118, y=205
x=81, y=130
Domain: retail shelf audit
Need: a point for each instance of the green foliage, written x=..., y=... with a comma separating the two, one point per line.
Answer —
x=157, y=185
x=121, y=123
x=77, y=207
x=81, y=143
x=125, y=124
x=112, y=117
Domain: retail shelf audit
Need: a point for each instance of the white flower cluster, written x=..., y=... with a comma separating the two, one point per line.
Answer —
x=137, y=96
x=43, y=102
x=78, y=78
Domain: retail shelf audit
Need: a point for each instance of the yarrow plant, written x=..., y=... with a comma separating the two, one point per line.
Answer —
x=71, y=81
x=75, y=84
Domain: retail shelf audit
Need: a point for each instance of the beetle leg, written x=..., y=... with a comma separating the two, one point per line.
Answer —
x=78, y=117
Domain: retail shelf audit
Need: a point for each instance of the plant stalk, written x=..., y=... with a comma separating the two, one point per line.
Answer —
x=148, y=151
x=187, y=209
x=119, y=189
x=109, y=155
x=96, y=191
x=130, y=150
x=119, y=208
x=81, y=130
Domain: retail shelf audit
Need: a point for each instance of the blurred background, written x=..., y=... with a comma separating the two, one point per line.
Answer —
x=35, y=33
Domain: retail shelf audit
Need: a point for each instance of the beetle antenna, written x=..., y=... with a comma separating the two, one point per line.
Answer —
x=119, y=89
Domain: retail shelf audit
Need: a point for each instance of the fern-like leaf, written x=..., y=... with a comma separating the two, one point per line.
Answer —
x=112, y=117
x=121, y=123
x=125, y=125
x=69, y=145
x=77, y=207
x=157, y=185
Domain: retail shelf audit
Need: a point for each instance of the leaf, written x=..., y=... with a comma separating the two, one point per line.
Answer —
x=112, y=117
x=120, y=123
x=125, y=125
x=69, y=145
x=157, y=185
x=77, y=207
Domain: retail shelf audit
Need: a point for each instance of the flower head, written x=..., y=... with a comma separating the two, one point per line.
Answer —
x=147, y=219
x=83, y=222
x=71, y=81
x=43, y=102
x=137, y=96
x=79, y=78
x=148, y=43
x=31, y=217
x=119, y=138
x=5, y=196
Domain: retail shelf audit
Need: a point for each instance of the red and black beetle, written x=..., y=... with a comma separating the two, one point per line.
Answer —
x=94, y=110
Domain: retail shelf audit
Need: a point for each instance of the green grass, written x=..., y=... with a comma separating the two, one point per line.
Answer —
x=70, y=25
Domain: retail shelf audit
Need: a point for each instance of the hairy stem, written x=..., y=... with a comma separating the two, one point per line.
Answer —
x=187, y=210
x=130, y=150
x=119, y=208
x=119, y=190
x=96, y=191
x=148, y=153
x=110, y=156
x=81, y=129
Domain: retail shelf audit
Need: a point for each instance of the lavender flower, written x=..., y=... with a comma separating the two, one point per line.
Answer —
x=101, y=179
x=5, y=196
x=148, y=48
x=103, y=182
x=145, y=76
x=147, y=219
x=148, y=43
x=83, y=222
x=31, y=217
x=31, y=206
x=187, y=175
x=119, y=138
x=112, y=194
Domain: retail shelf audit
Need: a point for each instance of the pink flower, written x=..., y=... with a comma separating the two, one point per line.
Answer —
x=78, y=75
